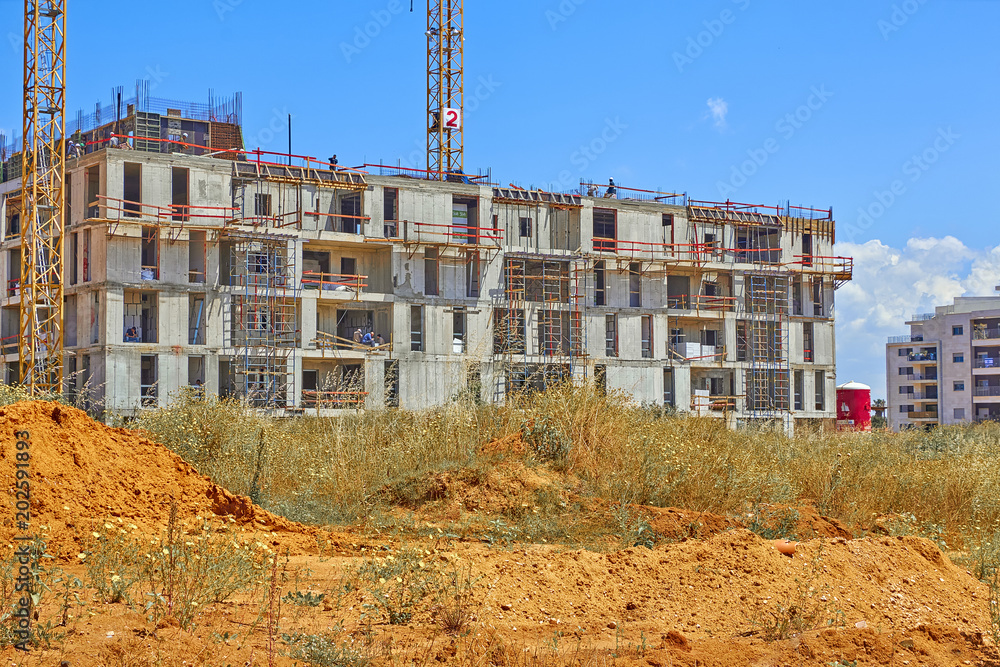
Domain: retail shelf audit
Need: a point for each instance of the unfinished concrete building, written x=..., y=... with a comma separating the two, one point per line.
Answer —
x=193, y=263
x=947, y=369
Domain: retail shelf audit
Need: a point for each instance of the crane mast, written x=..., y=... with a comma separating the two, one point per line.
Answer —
x=43, y=174
x=445, y=87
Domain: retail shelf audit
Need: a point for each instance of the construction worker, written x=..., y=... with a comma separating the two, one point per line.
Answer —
x=357, y=336
x=379, y=341
x=368, y=339
x=334, y=162
x=612, y=191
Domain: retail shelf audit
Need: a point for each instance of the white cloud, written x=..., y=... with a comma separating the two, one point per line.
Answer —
x=891, y=284
x=719, y=108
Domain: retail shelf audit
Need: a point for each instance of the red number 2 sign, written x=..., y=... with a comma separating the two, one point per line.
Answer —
x=452, y=119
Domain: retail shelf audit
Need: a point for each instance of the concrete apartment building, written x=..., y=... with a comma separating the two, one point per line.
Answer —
x=947, y=369
x=191, y=263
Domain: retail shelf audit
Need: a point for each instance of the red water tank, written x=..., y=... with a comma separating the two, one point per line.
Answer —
x=854, y=407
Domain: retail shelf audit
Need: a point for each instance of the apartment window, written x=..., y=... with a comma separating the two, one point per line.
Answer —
x=668, y=219
x=906, y=389
x=906, y=370
x=635, y=285
x=958, y=385
x=496, y=222
x=179, y=199
x=197, y=256
x=817, y=288
x=140, y=317
x=957, y=330
x=262, y=205
x=820, y=390
x=798, y=381
x=196, y=319
x=150, y=254
x=86, y=255
x=74, y=257
x=605, y=229
x=390, y=211
x=808, y=342
x=807, y=249
x=742, y=339
x=906, y=408
x=93, y=203
x=524, y=228
x=431, y=271
x=647, y=336
x=196, y=373
x=797, y=296
x=147, y=379
x=903, y=351
x=959, y=413
x=416, y=328
x=600, y=286
x=132, y=190
x=958, y=358
x=668, y=386
x=458, y=331
x=472, y=269
x=611, y=335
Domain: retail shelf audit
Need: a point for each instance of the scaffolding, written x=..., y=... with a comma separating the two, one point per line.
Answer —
x=263, y=317
x=765, y=335
x=543, y=298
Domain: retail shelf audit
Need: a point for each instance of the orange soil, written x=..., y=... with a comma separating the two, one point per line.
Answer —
x=696, y=602
x=84, y=473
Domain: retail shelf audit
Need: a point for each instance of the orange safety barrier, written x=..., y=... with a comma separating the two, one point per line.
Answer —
x=331, y=281
x=451, y=231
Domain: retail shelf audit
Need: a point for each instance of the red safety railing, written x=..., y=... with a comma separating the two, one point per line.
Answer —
x=701, y=302
x=124, y=210
x=13, y=286
x=9, y=344
x=355, y=221
x=762, y=209
x=432, y=232
x=824, y=263
x=333, y=281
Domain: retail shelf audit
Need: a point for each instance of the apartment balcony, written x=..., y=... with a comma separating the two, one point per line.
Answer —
x=923, y=414
x=919, y=377
x=986, y=364
x=925, y=357
x=979, y=336
x=918, y=396
x=989, y=393
x=339, y=286
x=702, y=302
x=908, y=338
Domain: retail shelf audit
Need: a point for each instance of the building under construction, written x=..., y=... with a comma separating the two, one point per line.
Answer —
x=192, y=264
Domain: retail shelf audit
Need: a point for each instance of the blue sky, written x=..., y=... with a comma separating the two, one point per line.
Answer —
x=873, y=84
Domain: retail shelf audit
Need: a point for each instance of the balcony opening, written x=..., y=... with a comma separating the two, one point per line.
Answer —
x=807, y=342
x=93, y=202
x=416, y=328
x=473, y=269
x=431, y=264
x=74, y=257
x=148, y=380
x=465, y=219
x=179, y=198
x=820, y=390
x=86, y=255
x=197, y=257
x=391, y=374
x=458, y=332
x=150, y=254
x=605, y=229
x=600, y=294
x=611, y=335
x=647, y=336
x=13, y=271
x=350, y=213
x=635, y=285
x=196, y=372
x=390, y=212
x=69, y=320
x=140, y=311
x=668, y=386
x=798, y=380
x=196, y=319
x=807, y=249
x=132, y=190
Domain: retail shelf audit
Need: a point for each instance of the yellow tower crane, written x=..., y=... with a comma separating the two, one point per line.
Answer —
x=445, y=87
x=43, y=174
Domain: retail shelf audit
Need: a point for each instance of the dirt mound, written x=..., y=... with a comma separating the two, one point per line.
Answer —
x=509, y=445
x=676, y=524
x=731, y=584
x=83, y=473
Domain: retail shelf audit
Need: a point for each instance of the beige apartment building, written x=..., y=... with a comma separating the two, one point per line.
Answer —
x=191, y=263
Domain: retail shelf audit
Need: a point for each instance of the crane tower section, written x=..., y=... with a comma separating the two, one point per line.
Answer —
x=445, y=87
x=40, y=344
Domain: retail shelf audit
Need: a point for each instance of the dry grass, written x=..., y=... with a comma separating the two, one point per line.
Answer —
x=329, y=470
